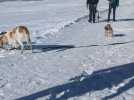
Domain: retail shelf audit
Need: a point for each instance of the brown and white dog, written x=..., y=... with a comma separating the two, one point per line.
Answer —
x=108, y=31
x=16, y=38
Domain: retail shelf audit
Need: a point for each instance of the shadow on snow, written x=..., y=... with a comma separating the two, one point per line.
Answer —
x=98, y=80
x=119, y=20
x=45, y=48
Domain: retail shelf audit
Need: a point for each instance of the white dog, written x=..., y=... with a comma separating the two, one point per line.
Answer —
x=16, y=37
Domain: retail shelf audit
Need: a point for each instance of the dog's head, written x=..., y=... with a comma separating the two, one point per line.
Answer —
x=108, y=27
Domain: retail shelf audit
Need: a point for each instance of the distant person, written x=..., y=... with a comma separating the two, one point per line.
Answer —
x=113, y=4
x=92, y=6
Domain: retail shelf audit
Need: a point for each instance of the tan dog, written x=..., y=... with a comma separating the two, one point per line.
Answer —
x=108, y=31
x=16, y=37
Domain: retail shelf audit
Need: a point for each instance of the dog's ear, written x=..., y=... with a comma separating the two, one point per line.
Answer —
x=106, y=27
x=3, y=33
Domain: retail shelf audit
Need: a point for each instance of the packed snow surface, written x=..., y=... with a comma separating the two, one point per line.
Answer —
x=71, y=58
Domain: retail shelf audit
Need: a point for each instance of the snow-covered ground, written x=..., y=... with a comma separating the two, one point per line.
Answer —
x=71, y=59
x=42, y=17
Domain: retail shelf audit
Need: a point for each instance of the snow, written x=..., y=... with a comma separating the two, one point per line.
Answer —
x=40, y=16
x=71, y=58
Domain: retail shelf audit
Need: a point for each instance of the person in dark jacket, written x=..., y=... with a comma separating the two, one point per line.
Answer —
x=113, y=4
x=92, y=5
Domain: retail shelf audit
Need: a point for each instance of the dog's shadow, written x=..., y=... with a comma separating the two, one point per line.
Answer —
x=119, y=35
x=37, y=48
x=45, y=48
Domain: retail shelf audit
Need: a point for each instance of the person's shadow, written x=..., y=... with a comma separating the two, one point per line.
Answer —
x=118, y=20
x=98, y=80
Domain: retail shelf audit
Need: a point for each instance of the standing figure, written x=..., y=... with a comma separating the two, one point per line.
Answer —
x=113, y=4
x=92, y=5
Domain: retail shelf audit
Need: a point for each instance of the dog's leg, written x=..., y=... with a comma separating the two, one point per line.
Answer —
x=29, y=43
x=15, y=45
x=31, y=46
x=8, y=48
x=22, y=46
